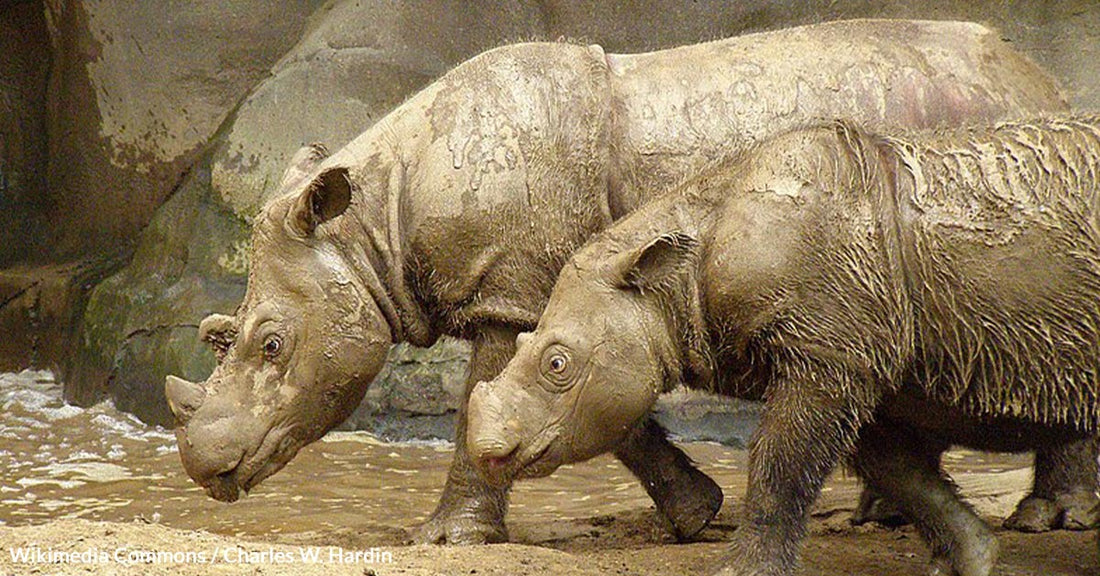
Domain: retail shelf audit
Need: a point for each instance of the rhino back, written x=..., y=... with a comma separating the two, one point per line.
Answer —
x=968, y=273
x=518, y=156
x=508, y=178
x=679, y=110
x=1005, y=268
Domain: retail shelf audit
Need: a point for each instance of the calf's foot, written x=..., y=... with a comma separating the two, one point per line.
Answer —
x=1063, y=496
x=686, y=498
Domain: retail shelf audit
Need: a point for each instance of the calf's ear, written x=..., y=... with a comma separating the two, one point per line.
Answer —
x=658, y=264
x=325, y=198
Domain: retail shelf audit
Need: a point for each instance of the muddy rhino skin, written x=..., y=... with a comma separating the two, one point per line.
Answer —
x=454, y=213
x=885, y=297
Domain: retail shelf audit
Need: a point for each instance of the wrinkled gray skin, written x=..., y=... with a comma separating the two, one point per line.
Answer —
x=885, y=297
x=455, y=212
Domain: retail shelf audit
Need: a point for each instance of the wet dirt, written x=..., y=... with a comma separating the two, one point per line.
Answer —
x=93, y=491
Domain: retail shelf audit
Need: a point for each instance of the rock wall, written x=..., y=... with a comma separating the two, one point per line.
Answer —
x=166, y=126
x=24, y=63
x=136, y=90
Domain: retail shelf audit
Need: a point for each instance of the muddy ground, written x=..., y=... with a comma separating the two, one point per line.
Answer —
x=625, y=541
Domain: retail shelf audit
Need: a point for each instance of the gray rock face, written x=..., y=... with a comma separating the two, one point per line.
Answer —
x=136, y=90
x=24, y=63
x=165, y=132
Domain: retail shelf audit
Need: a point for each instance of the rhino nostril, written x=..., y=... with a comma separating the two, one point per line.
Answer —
x=498, y=463
x=223, y=486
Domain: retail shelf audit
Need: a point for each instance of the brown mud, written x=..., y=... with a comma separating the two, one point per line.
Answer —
x=354, y=493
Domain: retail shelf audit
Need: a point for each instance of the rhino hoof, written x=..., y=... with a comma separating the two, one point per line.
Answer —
x=1078, y=510
x=458, y=532
x=692, y=509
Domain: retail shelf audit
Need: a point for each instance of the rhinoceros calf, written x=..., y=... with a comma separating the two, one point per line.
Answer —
x=884, y=297
x=454, y=213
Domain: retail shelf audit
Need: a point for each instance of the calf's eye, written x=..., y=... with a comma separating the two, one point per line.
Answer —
x=557, y=368
x=273, y=345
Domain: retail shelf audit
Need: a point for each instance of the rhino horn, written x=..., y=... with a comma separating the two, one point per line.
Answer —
x=184, y=397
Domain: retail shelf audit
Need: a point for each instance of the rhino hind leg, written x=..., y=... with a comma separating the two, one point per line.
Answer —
x=686, y=498
x=1063, y=495
x=904, y=467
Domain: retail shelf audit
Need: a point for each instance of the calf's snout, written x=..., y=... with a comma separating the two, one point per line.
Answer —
x=492, y=429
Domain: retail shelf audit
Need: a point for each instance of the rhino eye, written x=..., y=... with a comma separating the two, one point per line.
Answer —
x=273, y=344
x=557, y=368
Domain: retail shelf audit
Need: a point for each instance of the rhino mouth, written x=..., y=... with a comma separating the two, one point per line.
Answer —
x=535, y=460
x=278, y=448
x=223, y=487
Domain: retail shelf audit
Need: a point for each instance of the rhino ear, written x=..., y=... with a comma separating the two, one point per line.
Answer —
x=220, y=332
x=325, y=198
x=659, y=263
x=302, y=164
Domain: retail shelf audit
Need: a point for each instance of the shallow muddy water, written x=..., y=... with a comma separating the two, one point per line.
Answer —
x=61, y=465
x=60, y=461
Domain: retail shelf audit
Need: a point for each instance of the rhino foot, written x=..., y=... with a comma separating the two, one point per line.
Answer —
x=874, y=508
x=690, y=510
x=460, y=525
x=1076, y=510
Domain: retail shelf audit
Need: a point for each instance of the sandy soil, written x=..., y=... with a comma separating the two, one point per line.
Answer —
x=626, y=543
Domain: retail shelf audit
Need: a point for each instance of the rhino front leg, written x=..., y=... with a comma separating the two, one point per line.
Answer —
x=1063, y=494
x=805, y=430
x=471, y=511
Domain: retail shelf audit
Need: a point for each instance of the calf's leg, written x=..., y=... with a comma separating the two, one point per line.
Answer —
x=471, y=511
x=905, y=468
x=810, y=422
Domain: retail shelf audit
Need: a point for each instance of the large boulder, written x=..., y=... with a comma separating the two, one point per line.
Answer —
x=103, y=107
x=136, y=90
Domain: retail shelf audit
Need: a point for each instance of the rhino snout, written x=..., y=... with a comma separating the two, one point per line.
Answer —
x=184, y=397
x=211, y=456
x=492, y=431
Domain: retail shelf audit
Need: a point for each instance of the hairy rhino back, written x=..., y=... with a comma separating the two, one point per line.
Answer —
x=1004, y=266
x=677, y=111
